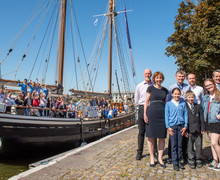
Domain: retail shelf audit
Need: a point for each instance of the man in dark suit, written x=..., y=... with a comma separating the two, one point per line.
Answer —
x=196, y=128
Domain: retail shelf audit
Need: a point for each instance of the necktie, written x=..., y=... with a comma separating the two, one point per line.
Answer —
x=192, y=108
x=218, y=86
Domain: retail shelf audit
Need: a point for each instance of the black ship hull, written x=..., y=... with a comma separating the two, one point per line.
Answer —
x=43, y=130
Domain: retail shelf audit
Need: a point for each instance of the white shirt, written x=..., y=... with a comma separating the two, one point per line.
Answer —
x=218, y=86
x=199, y=93
x=190, y=105
x=71, y=108
x=43, y=102
x=110, y=112
x=140, y=92
x=176, y=103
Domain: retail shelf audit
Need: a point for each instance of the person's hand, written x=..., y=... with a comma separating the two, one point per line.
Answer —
x=145, y=119
x=186, y=134
x=218, y=116
x=170, y=130
x=183, y=131
x=203, y=132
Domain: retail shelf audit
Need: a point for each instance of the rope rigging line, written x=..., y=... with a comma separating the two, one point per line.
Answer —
x=14, y=42
x=121, y=59
x=99, y=36
x=8, y=73
x=118, y=86
x=124, y=53
x=80, y=68
x=48, y=59
x=117, y=68
x=124, y=44
x=98, y=55
x=48, y=25
x=74, y=59
x=66, y=55
x=114, y=65
x=100, y=43
x=33, y=36
x=82, y=47
x=101, y=46
x=128, y=56
x=78, y=60
x=44, y=71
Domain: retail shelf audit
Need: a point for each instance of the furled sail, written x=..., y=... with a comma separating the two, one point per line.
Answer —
x=129, y=42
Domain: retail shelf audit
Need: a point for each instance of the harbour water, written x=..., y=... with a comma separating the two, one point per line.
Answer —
x=18, y=157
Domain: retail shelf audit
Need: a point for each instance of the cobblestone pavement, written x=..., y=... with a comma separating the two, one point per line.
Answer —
x=114, y=158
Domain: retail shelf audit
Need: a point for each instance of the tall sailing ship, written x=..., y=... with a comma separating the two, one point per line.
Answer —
x=41, y=130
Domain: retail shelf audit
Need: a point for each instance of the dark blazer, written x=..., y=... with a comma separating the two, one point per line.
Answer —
x=196, y=120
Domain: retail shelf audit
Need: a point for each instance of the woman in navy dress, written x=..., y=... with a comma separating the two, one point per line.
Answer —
x=154, y=117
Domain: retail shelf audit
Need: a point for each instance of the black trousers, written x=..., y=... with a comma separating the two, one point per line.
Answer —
x=141, y=134
x=184, y=147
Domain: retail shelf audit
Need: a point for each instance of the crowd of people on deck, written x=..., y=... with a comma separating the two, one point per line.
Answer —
x=37, y=102
x=186, y=112
x=37, y=98
x=107, y=110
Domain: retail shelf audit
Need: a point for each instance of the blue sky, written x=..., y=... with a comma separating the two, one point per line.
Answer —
x=150, y=24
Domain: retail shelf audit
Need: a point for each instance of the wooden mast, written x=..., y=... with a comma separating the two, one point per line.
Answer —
x=62, y=45
x=111, y=14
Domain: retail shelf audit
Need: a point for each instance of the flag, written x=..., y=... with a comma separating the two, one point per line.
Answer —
x=129, y=43
x=96, y=22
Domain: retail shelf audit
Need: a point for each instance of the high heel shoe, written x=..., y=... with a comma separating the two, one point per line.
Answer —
x=162, y=165
x=153, y=165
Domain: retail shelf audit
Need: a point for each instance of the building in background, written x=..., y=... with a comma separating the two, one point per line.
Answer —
x=126, y=95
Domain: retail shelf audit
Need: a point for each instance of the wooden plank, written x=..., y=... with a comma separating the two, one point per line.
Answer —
x=89, y=93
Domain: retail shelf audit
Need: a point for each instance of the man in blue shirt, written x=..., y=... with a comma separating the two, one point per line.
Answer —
x=23, y=86
x=180, y=77
x=45, y=90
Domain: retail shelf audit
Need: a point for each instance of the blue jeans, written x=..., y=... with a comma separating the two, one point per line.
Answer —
x=27, y=111
x=176, y=143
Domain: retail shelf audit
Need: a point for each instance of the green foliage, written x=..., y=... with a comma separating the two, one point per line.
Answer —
x=196, y=41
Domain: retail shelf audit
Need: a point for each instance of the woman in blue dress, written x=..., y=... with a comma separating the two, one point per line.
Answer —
x=154, y=117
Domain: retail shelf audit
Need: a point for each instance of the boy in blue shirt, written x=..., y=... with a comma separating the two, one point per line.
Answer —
x=23, y=86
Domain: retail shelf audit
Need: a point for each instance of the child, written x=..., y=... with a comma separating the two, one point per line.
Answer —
x=195, y=129
x=115, y=111
x=110, y=112
x=176, y=122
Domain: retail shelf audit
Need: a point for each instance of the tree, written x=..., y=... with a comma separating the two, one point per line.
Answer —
x=195, y=42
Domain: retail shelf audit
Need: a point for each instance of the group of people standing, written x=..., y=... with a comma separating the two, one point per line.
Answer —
x=186, y=111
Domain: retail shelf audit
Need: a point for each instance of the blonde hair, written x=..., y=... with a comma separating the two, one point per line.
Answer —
x=189, y=92
x=216, y=91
